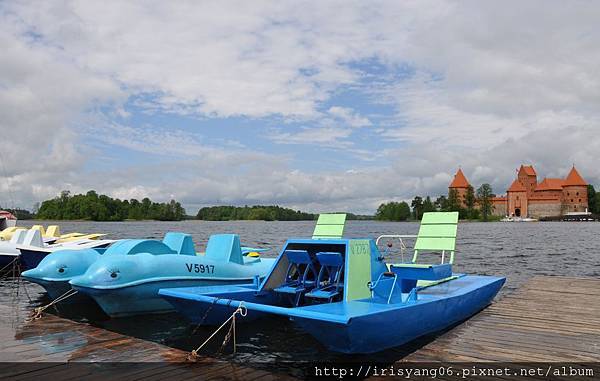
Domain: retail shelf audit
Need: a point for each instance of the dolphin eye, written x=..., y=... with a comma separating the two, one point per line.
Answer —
x=114, y=273
x=61, y=269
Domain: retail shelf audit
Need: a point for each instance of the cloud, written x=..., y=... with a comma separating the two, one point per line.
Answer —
x=349, y=117
x=138, y=98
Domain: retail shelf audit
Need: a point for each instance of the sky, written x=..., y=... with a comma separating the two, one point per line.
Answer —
x=318, y=106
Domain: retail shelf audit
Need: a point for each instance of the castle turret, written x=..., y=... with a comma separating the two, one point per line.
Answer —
x=460, y=184
x=528, y=177
x=575, y=196
x=517, y=199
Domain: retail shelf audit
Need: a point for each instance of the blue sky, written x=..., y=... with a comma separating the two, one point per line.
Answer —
x=311, y=105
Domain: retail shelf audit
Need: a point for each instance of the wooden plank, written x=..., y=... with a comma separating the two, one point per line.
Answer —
x=46, y=346
x=548, y=319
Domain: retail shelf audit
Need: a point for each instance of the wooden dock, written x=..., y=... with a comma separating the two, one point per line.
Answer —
x=550, y=319
x=57, y=348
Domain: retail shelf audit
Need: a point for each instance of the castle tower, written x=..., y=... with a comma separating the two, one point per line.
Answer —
x=575, y=196
x=460, y=184
x=517, y=199
x=528, y=177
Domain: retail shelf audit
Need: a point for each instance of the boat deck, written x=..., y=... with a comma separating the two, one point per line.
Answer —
x=550, y=319
x=40, y=348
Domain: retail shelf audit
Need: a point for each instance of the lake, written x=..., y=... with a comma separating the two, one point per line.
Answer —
x=515, y=250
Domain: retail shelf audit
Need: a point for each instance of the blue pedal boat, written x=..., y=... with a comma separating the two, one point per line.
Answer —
x=125, y=280
x=342, y=292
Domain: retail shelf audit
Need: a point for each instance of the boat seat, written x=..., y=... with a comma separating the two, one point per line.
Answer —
x=224, y=248
x=300, y=277
x=410, y=273
x=422, y=271
x=330, y=274
x=181, y=243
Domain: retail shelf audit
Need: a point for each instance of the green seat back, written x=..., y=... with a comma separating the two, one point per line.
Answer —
x=437, y=233
x=330, y=226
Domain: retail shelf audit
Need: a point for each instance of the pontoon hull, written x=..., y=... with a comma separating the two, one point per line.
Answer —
x=54, y=289
x=142, y=298
x=361, y=326
x=30, y=259
x=373, y=333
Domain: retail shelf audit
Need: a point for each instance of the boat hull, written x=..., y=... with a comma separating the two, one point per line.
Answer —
x=141, y=298
x=365, y=334
x=6, y=259
x=54, y=289
x=30, y=259
x=359, y=326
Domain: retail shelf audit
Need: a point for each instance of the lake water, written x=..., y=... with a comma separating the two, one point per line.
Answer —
x=517, y=251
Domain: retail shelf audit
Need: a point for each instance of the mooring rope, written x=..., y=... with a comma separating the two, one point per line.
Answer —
x=11, y=263
x=242, y=311
x=37, y=312
x=205, y=315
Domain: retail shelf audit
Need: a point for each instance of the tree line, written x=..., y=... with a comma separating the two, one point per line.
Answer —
x=477, y=205
x=256, y=212
x=91, y=206
x=593, y=200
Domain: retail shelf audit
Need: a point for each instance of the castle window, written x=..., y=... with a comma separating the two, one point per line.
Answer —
x=568, y=194
x=571, y=200
x=579, y=200
x=577, y=194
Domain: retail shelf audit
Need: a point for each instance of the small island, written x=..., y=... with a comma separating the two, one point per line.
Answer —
x=94, y=207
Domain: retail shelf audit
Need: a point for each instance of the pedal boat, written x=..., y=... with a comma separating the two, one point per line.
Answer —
x=34, y=248
x=125, y=281
x=343, y=293
x=9, y=249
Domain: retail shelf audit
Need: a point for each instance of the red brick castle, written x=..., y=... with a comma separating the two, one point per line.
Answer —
x=527, y=198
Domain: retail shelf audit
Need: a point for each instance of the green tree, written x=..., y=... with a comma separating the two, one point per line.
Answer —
x=428, y=205
x=484, y=196
x=256, y=212
x=453, y=203
x=593, y=200
x=470, y=202
x=417, y=207
x=441, y=203
x=393, y=211
x=92, y=206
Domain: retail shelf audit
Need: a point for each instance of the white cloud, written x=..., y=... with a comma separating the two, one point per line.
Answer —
x=349, y=117
x=482, y=84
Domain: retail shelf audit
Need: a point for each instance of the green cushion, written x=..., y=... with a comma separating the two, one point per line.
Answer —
x=332, y=219
x=330, y=226
x=441, y=230
x=439, y=218
x=435, y=244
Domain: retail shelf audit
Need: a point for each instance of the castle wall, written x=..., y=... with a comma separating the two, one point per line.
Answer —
x=499, y=208
x=575, y=199
x=528, y=181
x=538, y=209
x=517, y=200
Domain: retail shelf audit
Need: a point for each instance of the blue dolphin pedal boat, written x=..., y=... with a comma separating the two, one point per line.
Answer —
x=125, y=280
x=343, y=293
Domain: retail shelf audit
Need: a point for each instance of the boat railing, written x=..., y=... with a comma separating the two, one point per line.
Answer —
x=399, y=237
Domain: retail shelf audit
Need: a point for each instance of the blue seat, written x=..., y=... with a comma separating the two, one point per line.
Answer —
x=300, y=277
x=329, y=283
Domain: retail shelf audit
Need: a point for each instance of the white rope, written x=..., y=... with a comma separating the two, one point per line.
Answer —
x=37, y=312
x=242, y=311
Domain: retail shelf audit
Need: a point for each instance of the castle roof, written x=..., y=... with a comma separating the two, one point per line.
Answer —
x=529, y=171
x=550, y=184
x=460, y=181
x=574, y=179
x=516, y=186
